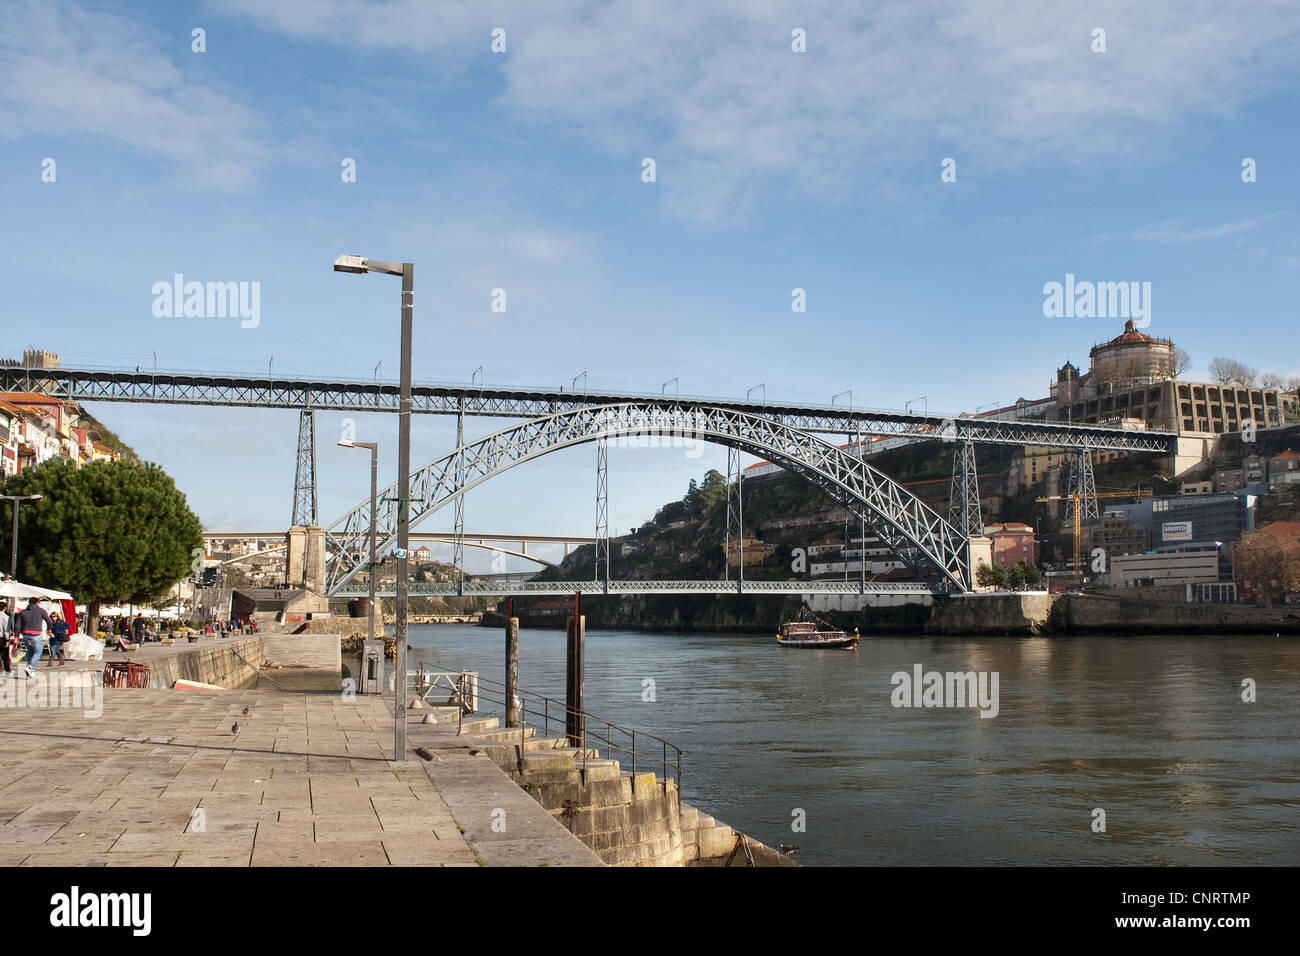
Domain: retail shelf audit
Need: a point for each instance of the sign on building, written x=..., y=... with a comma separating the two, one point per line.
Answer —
x=1176, y=531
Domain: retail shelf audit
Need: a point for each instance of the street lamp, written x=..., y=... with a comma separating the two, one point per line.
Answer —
x=374, y=479
x=13, y=556
x=359, y=265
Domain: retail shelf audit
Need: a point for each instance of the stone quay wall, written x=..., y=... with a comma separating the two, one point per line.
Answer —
x=210, y=662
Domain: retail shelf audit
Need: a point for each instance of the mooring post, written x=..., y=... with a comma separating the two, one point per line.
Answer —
x=577, y=632
x=512, y=671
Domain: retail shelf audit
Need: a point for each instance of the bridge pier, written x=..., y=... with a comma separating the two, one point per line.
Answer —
x=304, y=562
x=979, y=550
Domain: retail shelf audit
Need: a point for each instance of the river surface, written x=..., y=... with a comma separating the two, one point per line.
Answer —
x=1152, y=730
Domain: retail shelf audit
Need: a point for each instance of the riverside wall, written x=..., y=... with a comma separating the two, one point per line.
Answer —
x=1104, y=614
x=631, y=819
x=1023, y=613
x=225, y=663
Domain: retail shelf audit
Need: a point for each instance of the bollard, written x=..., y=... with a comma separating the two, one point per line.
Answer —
x=372, y=667
x=574, y=727
x=512, y=672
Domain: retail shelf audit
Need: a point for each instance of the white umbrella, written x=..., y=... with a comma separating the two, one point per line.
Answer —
x=16, y=589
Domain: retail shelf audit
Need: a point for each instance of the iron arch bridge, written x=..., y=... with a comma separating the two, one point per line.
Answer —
x=923, y=540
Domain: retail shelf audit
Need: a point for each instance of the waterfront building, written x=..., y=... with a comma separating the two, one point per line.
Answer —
x=1197, y=565
x=752, y=550
x=1192, y=519
x=1283, y=470
x=1116, y=535
x=1012, y=543
x=1228, y=480
x=37, y=428
x=832, y=557
x=1254, y=469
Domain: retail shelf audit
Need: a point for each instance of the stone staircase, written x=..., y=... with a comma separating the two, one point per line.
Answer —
x=626, y=819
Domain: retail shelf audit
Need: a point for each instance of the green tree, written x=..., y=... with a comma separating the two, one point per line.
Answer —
x=990, y=576
x=713, y=490
x=1016, y=576
x=108, y=532
x=1033, y=575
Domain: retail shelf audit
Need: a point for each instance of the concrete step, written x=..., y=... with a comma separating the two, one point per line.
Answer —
x=507, y=735
x=479, y=725
x=560, y=758
x=602, y=770
x=716, y=841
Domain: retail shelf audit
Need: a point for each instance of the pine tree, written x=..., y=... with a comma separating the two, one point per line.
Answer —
x=107, y=532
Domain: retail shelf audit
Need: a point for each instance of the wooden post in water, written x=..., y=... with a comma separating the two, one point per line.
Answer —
x=574, y=727
x=512, y=671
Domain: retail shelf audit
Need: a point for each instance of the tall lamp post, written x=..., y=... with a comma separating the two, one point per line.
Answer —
x=13, y=555
x=359, y=265
x=374, y=480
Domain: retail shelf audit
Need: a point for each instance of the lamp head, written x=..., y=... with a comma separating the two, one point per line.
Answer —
x=354, y=264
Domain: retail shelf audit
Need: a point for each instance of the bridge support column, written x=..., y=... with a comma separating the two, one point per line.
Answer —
x=304, y=477
x=458, y=545
x=1082, y=485
x=602, y=512
x=964, y=496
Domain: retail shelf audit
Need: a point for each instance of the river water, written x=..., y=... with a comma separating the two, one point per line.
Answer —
x=1151, y=730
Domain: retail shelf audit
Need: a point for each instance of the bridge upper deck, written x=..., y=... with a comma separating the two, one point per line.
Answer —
x=195, y=388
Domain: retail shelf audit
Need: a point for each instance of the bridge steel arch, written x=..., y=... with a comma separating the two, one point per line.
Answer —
x=922, y=539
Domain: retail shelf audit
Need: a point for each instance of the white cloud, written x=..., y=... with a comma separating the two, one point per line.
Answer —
x=68, y=72
x=714, y=93
x=1178, y=231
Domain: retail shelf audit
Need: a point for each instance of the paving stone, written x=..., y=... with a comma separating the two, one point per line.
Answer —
x=306, y=782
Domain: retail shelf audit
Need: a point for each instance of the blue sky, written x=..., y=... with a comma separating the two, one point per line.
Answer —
x=522, y=170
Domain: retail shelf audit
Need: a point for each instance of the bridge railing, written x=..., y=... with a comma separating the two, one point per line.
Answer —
x=496, y=589
x=646, y=751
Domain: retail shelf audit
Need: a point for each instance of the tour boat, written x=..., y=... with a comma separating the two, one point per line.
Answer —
x=805, y=634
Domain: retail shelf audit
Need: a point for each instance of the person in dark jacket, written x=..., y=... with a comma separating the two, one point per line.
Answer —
x=30, y=629
x=58, y=636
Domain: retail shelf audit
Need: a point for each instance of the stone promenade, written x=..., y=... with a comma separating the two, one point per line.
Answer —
x=160, y=779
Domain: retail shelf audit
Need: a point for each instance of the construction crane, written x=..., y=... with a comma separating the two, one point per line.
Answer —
x=1077, y=497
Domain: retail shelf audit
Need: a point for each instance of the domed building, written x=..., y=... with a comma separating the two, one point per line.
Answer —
x=1133, y=380
x=1131, y=358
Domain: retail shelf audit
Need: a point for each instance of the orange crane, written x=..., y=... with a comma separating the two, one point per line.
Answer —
x=1077, y=497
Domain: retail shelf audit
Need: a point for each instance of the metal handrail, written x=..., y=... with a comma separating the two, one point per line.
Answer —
x=552, y=710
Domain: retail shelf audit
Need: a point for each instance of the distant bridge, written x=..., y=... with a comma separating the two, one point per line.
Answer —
x=540, y=588
x=493, y=541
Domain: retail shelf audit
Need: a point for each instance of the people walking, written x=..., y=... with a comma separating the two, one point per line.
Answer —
x=32, y=622
x=5, y=631
x=138, y=624
x=58, y=636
